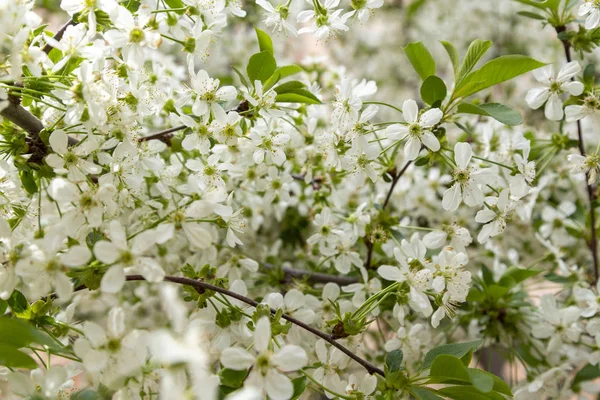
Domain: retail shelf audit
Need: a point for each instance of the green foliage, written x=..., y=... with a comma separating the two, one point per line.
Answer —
x=476, y=50
x=264, y=41
x=496, y=71
x=421, y=59
x=261, y=66
x=299, y=387
x=433, y=90
x=454, y=349
x=393, y=361
x=498, y=111
x=12, y=357
x=453, y=55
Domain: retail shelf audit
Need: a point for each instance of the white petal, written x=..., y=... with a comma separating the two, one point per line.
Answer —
x=113, y=280
x=59, y=141
x=76, y=256
x=236, y=358
x=462, y=154
x=410, y=111
x=106, y=252
x=391, y=273
x=431, y=117
x=262, y=334
x=290, y=358
x=430, y=141
x=554, y=109
x=279, y=387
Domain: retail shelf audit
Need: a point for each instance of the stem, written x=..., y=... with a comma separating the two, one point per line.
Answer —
x=315, y=277
x=58, y=35
x=380, y=103
x=371, y=369
x=395, y=180
x=593, y=242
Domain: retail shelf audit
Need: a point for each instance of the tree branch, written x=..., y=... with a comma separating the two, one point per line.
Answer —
x=593, y=242
x=58, y=35
x=314, y=277
x=163, y=136
x=371, y=369
x=395, y=178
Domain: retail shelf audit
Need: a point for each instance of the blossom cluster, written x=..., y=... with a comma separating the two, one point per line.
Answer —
x=177, y=226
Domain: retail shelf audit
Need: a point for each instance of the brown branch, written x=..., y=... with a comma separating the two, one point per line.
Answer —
x=395, y=178
x=593, y=242
x=314, y=277
x=58, y=35
x=163, y=136
x=371, y=369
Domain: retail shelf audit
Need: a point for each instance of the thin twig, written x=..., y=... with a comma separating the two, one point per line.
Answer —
x=58, y=35
x=593, y=242
x=314, y=277
x=395, y=178
x=162, y=135
x=371, y=369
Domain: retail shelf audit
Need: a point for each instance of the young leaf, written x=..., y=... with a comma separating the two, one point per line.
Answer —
x=299, y=387
x=464, y=392
x=448, y=366
x=587, y=373
x=476, y=50
x=518, y=275
x=241, y=76
x=19, y=333
x=531, y=15
x=297, y=96
x=483, y=381
x=541, y=4
x=289, y=70
x=453, y=55
x=455, y=349
x=393, y=361
x=433, y=89
x=264, y=41
x=421, y=59
x=289, y=86
x=499, y=112
x=261, y=66
x=11, y=356
x=425, y=394
x=496, y=71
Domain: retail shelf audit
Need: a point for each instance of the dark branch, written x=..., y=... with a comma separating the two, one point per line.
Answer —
x=593, y=242
x=163, y=136
x=395, y=178
x=371, y=369
x=314, y=277
x=58, y=35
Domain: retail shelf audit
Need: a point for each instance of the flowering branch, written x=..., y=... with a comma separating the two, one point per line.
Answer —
x=593, y=242
x=372, y=369
x=58, y=35
x=395, y=178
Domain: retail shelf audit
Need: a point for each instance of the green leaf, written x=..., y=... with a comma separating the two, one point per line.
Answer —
x=232, y=378
x=421, y=59
x=28, y=181
x=517, y=275
x=466, y=359
x=19, y=333
x=589, y=76
x=433, y=89
x=3, y=306
x=468, y=393
x=496, y=71
x=541, y=4
x=289, y=70
x=455, y=349
x=498, y=111
x=175, y=4
x=299, y=387
x=393, y=361
x=531, y=15
x=289, y=87
x=449, y=366
x=425, y=394
x=476, y=50
x=11, y=356
x=587, y=373
x=453, y=55
x=261, y=66
x=483, y=381
x=241, y=76
x=297, y=96
x=264, y=41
